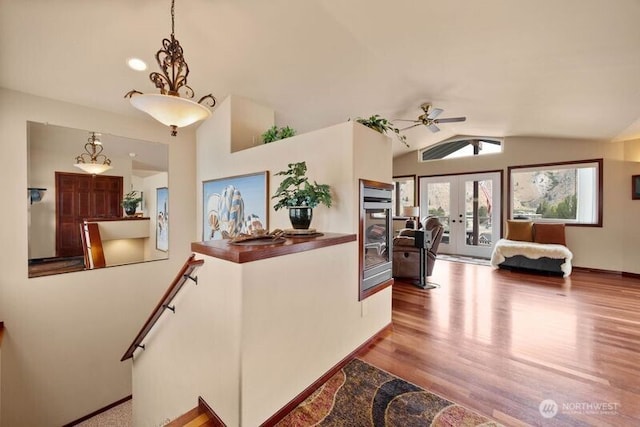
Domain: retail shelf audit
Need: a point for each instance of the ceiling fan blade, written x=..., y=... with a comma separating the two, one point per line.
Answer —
x=405, y=120
x=433, y=128
x=434, y=113
x=409, y=127
x=450, y=120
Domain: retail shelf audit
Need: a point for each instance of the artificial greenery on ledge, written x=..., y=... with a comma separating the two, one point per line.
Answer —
x=296, y=190
x=131, y=200
x=275, y=133
x=382, y=125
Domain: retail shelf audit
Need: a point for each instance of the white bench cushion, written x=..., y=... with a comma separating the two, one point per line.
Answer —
x=507, y=248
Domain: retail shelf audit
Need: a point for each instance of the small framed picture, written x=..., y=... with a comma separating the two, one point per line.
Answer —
x=162, y=219
x=635, y=187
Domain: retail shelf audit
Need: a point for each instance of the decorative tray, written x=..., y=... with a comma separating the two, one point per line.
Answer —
x=259, y=237
x=260, y=241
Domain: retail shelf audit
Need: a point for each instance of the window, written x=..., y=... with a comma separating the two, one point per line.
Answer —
x=568, y=192
x=461, y=148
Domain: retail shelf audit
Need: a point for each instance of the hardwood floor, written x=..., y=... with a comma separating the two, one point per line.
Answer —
x=501, y=342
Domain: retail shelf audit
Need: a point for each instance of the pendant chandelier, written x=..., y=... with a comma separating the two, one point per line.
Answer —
x=92, y=160
x=168, y=107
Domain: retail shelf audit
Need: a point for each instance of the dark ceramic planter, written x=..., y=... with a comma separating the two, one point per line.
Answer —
x=300, y=217
x=130, y=210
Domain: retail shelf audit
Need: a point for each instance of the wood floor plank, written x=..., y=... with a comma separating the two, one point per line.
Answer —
x=501, y=342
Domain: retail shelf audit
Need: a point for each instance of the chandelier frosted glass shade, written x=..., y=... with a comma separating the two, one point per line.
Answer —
x=93, y=168
x=170, y=110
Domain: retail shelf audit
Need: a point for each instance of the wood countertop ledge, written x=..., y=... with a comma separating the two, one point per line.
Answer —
x=247, y=253
x=118, y=218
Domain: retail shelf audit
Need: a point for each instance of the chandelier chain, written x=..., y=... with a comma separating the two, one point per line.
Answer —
x=173, y=18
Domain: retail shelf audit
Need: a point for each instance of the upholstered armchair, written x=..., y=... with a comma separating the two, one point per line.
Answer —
x=406, y=255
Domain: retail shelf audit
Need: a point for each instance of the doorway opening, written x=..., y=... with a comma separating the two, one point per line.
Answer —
x=470, y=208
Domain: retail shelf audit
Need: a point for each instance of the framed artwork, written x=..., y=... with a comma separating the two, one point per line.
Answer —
x=234, y=205
x=404, y=193
x=162, y=219
x=635, y=187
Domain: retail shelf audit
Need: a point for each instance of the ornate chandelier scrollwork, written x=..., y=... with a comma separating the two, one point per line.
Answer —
x=172, y=81
x=92, y=160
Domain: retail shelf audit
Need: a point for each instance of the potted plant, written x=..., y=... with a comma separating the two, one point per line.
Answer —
x=382, y=125
x=299, y=195
x=274, y=134
x=130, y=202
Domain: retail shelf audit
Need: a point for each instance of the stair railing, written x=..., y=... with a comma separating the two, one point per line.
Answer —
x=185, y=274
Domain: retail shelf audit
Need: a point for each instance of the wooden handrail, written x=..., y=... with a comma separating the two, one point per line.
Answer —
x=184, y=274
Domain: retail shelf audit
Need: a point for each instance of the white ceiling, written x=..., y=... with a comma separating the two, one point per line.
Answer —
x=568, y=68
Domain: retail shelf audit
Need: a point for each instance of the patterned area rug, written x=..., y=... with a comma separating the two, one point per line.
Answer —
x=362, y=395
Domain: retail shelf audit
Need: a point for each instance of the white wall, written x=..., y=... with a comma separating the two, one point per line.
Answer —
x=329, y=154
x=611, y=247
x=65, y=334
x=252, y=336
x=150, y=186
x=296, y=326
x=630, y=210
x=250, y=121
x=194, y=352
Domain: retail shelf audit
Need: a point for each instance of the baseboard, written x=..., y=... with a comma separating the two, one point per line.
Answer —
x=214, y=419
x=601, y=271
x=278, y=416
x=99, y=411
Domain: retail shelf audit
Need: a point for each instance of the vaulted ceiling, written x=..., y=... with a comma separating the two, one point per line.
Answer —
x=567, y=68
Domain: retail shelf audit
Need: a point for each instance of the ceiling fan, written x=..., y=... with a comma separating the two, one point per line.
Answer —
x=429, y=118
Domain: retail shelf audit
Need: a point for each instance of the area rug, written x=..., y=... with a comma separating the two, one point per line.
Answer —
x=362, y=395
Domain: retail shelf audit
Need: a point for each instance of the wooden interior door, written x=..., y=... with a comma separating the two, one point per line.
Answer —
x=81, y=196
x=106, y=196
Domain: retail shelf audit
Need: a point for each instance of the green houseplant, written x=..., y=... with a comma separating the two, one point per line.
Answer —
x=274, y=134
x=382, y=125
x=130, y=202
x=300, y=196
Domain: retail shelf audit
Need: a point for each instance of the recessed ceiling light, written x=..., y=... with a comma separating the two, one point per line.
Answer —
x=136, y=64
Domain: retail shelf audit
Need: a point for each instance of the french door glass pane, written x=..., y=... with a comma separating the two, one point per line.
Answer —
x=438, y=204
x=478, y=210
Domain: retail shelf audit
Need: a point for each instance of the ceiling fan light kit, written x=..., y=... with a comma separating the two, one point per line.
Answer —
x=168, y=107
x=430, y=119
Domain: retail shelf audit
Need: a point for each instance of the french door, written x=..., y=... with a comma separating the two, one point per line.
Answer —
x=469, y=206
